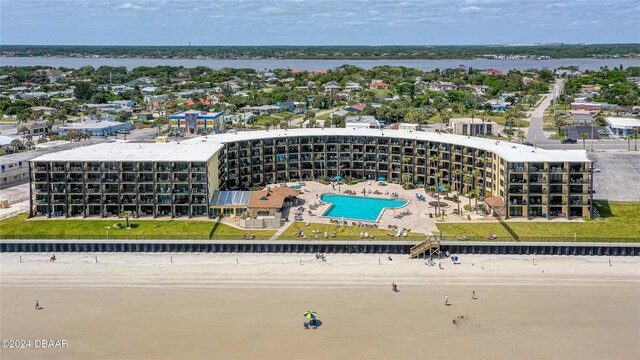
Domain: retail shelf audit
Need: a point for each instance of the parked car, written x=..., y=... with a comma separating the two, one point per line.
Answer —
x=568, y=141
x=123, y=131
x=528, y=143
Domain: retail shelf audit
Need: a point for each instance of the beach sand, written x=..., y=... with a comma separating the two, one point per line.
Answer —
x=249, y=306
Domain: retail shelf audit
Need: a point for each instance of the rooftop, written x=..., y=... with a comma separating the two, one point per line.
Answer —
x=623, y=122
x=230, y=198
x=92, y=125
x=511, y=152
x=129, y=151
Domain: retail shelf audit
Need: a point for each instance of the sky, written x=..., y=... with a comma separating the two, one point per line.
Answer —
x=317, y=22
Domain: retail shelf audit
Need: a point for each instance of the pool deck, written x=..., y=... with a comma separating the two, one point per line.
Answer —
x=418, y=221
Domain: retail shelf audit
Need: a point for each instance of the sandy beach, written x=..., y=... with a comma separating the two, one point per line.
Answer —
x=249, y=306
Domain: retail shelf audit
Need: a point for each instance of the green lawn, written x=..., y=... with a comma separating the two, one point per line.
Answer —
x=621, y=220
x=342, y=232
x=19, y=226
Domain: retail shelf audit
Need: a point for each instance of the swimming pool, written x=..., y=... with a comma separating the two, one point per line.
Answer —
x=358, y=207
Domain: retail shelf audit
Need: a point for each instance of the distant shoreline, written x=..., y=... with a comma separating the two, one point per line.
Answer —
x=324, y=64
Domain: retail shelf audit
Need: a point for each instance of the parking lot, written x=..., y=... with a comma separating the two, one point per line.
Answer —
x=619, y=178
x=574, y=132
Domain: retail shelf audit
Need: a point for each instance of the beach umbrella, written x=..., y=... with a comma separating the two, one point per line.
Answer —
x=311, y=314
x=441, y=188
x=382, y=178
x=338, y=177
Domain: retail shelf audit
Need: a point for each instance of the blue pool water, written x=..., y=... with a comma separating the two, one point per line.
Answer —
x=358, y=207
x=297, y=187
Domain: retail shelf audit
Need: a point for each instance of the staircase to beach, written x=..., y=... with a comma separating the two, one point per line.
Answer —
x=432, y=246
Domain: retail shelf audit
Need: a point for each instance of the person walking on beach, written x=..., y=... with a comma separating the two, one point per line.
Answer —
x=473, y=294
x=446, y=301
x=394, y=287
x=37, y=304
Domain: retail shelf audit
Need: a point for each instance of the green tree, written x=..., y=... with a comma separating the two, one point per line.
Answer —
x=287, y=118
x=83, y=91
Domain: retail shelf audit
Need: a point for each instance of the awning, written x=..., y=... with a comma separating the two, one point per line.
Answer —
x=382, y=178
x=494, y=202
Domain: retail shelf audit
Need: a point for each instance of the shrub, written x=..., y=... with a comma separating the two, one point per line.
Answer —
x=353, y=182
x=408, y=186
x=467, y=207
x=323, y=181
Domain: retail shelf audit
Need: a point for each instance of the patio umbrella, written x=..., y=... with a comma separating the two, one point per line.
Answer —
x=311, y=314
x=382, y=178
x=441, y=188
x=338, y=177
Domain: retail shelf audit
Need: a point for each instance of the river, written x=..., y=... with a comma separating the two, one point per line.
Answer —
x=425, y=65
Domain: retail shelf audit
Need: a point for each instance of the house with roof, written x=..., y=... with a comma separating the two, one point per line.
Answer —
x=587, y=106
x=357, y=108
x=378, y=85
x=493, y=72
x=150, y=89
x=478, y=90
x=442, y=86
x=191, y=102
x=352, y=86
x=45, y=109
x=331, y=86
x=582, y=117
x=262, y=109
x=498, y=105
x=362, y=122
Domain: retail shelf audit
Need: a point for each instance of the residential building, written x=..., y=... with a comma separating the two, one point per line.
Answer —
x=196, y=122
x=362, y=122
x=497, y=105
x=378, y=85
x=582, y=117
x=473, y=127
x=353, y=87
x=262, y=110
x=442, y=86
x=176, y=179
x=587, y=106
x=37, y=128
x=45, y=109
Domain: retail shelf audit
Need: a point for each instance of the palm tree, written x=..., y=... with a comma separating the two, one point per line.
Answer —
x=559, y=123
x=437, y=176
x=629, y=142
x=584, y=137
x=126, y=215
x=16, y=144
x=457, y=173
x=468, y=181
x=635, y=132
x=521, y=136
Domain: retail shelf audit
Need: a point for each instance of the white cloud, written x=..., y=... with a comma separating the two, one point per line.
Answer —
x=128, y=6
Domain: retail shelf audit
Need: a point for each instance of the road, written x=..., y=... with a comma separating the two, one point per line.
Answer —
x=535, y=133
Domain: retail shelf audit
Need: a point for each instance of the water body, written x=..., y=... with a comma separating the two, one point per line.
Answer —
x=425, y=65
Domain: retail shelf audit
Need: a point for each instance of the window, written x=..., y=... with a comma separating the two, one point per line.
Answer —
x=515, y=211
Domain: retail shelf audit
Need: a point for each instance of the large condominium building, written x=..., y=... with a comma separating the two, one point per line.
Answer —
x=150, y=179
x=163, y=178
